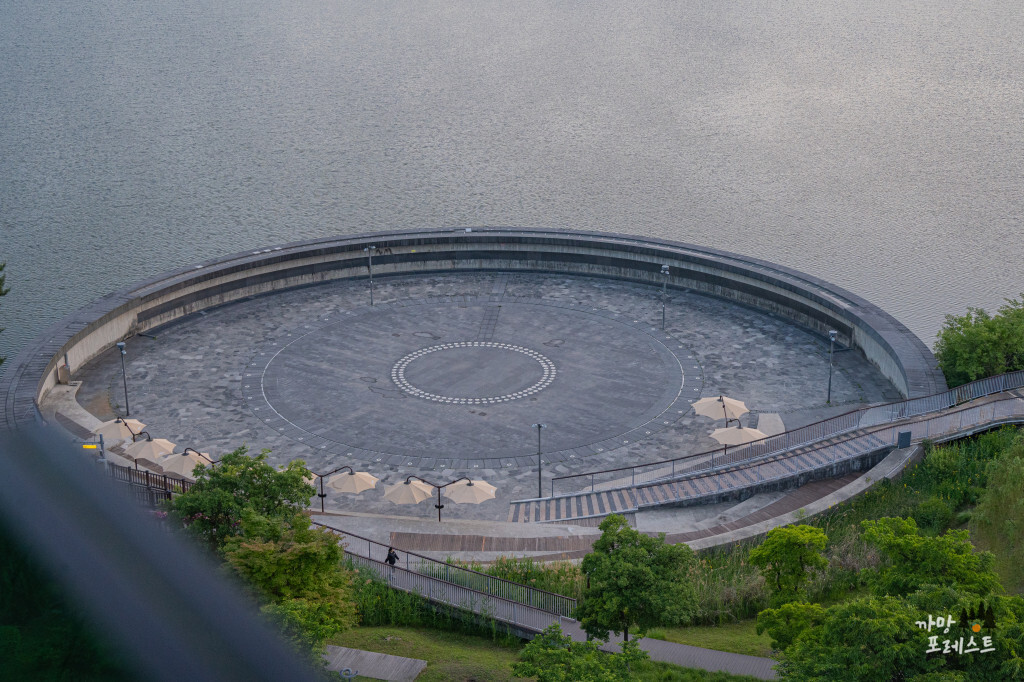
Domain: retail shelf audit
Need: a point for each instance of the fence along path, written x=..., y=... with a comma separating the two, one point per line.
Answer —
x=445, y=587
x=712, y=482
x=512, y=603
x=479, y=586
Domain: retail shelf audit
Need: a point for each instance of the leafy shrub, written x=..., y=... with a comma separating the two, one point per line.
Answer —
x=977, y=345
x=933, y=515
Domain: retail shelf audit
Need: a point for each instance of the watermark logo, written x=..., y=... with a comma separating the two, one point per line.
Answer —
x=971, y=625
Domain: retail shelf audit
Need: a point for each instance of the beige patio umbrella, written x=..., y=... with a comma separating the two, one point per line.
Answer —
x=354, y=482
x=181, y=464
x=732, y=435
x=412, y=492
x=720, y=408
x=119, y=429
x=151, y=450
x=469, y=492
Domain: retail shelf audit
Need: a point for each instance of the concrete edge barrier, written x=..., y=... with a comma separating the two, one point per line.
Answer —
x=797, y=297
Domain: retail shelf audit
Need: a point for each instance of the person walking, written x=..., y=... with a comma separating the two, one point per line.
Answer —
x=391, y=561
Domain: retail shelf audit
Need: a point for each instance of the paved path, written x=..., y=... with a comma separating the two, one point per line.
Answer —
x=530, y=619
x=373, y=665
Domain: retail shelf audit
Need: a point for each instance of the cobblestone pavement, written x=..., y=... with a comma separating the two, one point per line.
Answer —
x=446, y=374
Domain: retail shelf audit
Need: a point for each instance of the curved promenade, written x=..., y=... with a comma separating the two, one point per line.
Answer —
x=807, y=301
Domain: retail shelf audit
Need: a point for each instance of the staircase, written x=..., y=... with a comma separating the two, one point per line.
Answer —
x=694, y=486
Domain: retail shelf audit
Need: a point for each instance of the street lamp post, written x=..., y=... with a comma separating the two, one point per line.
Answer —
x=438, y=486
x=831, y=347
x=199, y=454
x=540, y=464
x=321, y=477
x=124, y=376
x=369, y=257
x=664, y=293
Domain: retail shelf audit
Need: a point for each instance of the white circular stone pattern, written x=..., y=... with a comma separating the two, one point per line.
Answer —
x=398, y=374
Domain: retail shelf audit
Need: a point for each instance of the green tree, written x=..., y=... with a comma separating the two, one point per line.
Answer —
x=553, y=657
x=912, y=560
x=998, y=520
x=785, y=557
x=307, y=623
x=214, y=506
x=787, y=622
x=3, y=292
x=868, y=639
x=634, y=582
x=976, y=345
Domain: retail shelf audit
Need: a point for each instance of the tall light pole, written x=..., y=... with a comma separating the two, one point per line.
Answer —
x=540, y=485
x=369, y=256
x=124, y=376
x=664, y=293
x=831, y=347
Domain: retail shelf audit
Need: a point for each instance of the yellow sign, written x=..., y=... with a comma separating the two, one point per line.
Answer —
x=90, y=446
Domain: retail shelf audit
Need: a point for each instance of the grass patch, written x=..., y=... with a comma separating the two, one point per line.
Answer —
x=449, y=655
x=466, y=658
x=738, y=638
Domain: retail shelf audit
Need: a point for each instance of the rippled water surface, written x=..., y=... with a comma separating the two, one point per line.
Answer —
x=877, y=144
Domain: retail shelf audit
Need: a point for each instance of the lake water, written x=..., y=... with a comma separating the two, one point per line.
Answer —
x=876, y=144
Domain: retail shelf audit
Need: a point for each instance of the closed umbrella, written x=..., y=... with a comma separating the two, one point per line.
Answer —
x=119, y=429
x=353, y=482
x=736, y=436
x=469, y=492
x=412, y=492
x=720, y=408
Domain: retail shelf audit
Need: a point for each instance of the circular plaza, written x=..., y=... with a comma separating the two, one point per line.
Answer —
x=446, y=375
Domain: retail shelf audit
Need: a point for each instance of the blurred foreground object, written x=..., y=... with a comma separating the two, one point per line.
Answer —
x=151, y=594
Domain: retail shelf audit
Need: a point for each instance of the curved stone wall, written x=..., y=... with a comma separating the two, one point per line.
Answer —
x=805, y=300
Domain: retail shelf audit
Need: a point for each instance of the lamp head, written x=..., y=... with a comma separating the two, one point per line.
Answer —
x=664, y=269
x=120, y=347
x=832, y=333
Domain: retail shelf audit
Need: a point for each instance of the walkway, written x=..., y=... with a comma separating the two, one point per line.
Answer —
x=823, y=458
x=373, y=665
x=530, y=619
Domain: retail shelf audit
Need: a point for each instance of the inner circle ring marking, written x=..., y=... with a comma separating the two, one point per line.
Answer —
x=548, y=375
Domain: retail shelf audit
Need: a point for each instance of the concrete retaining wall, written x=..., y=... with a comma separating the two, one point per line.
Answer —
x=803, y=299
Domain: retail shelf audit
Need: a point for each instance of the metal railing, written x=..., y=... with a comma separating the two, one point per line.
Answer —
x=476, y=582
x=148, y=479
x=459, y=596
x=938, y=428
x=631, y=476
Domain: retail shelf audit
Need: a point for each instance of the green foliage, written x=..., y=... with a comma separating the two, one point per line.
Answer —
x=933, y=515
x=252, y=514
x=309, y=623
x=635, y=581
x=379, y=605
x=293, y=561
x=998, y=520
x=560, y=577
x=785, y=557
x=867, y=639
x=877, y=638
x=913, y=560
x=787, y=622
x=299, y=571
x=976, y=345
x=554, y=657
x=213, y=508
